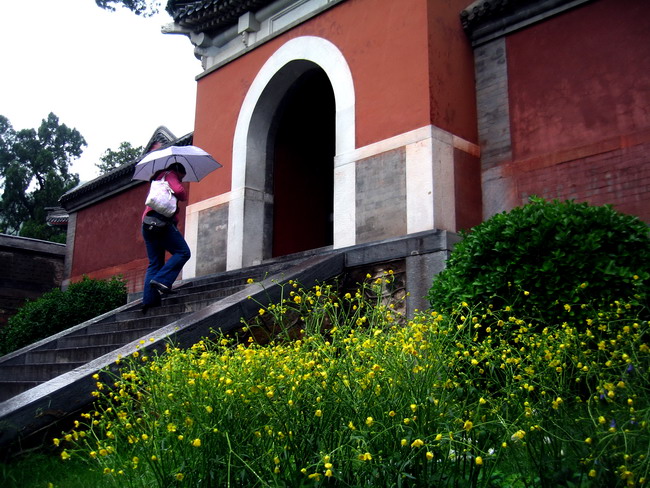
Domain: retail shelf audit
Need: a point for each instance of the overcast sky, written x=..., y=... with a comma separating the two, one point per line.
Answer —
x=111, y=75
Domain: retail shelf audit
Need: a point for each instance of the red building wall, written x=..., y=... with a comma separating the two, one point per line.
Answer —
x=579, y=92
x=384, y=43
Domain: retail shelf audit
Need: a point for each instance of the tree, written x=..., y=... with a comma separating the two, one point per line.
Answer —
x=34, y=173
x=110, y=160
x=146, y=8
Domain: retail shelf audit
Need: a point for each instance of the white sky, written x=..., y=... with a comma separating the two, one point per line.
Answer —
x=111, y=75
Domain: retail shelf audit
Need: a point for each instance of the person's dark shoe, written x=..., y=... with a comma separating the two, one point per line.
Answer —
x=164, y=289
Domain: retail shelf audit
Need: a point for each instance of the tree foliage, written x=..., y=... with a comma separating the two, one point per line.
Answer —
x=124, y=154
x=34, y=173
x=146, y=8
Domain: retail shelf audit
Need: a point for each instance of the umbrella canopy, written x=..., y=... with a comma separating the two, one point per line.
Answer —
x=196, y=161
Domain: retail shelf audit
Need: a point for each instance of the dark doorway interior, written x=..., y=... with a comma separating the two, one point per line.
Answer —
x=303, y=166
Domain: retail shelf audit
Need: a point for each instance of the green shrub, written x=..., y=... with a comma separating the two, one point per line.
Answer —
x=57, y=310
x=546, y=255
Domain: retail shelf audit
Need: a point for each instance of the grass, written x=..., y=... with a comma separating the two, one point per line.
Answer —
x=39, y=469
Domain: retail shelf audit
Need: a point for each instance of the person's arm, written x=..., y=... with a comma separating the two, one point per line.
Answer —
x=176, y=186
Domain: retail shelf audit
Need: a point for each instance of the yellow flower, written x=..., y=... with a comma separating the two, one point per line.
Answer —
x=479, y=460
x=250, y=280
x=65, y=455
x=179, y=476
x=468, y=425
x=297, y=299
x=351, y=426
x=404, y=442
x=369, y=421
x=592, y=473
x=319, y=413
x=365, y=457
x=262, y=311
x=588, y=440
x=56, y=441
x=517, y=436
x=328, y=473
x=417, y=443
x=429, y=455
x=196, y=442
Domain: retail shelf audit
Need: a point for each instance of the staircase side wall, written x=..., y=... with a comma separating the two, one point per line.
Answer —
x=29, y=268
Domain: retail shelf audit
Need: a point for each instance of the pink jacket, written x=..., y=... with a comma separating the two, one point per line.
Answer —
x=174, y=180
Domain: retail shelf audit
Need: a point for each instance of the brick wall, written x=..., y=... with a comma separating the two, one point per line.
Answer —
x=563, y=114
x=620, y=177
x=29, y=268
x=381, y=196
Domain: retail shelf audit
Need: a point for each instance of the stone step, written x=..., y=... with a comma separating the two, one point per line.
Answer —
x=36, y=371
x=137, y=320
x=103, y=338
x=69, y=354
x=9, y=389
x=169, y=307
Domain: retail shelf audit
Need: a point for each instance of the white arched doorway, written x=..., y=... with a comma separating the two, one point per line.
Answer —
x=249, y=223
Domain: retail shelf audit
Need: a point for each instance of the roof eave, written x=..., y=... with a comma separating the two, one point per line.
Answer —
x=484, y=20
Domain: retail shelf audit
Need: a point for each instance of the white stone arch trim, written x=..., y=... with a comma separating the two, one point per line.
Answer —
x=329, y=58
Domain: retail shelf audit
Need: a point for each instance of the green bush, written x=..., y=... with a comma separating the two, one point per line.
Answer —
x=546, y=255
x=57, y=310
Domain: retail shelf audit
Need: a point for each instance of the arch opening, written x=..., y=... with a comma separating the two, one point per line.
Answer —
x=305, y=64
x=301, y=146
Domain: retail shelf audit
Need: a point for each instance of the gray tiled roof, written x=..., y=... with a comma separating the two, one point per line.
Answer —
x=211, y=15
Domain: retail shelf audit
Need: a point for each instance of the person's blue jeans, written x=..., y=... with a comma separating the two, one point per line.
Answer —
x=157, y=241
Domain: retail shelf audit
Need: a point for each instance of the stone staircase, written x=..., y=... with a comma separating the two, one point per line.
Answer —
x=48, y=359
